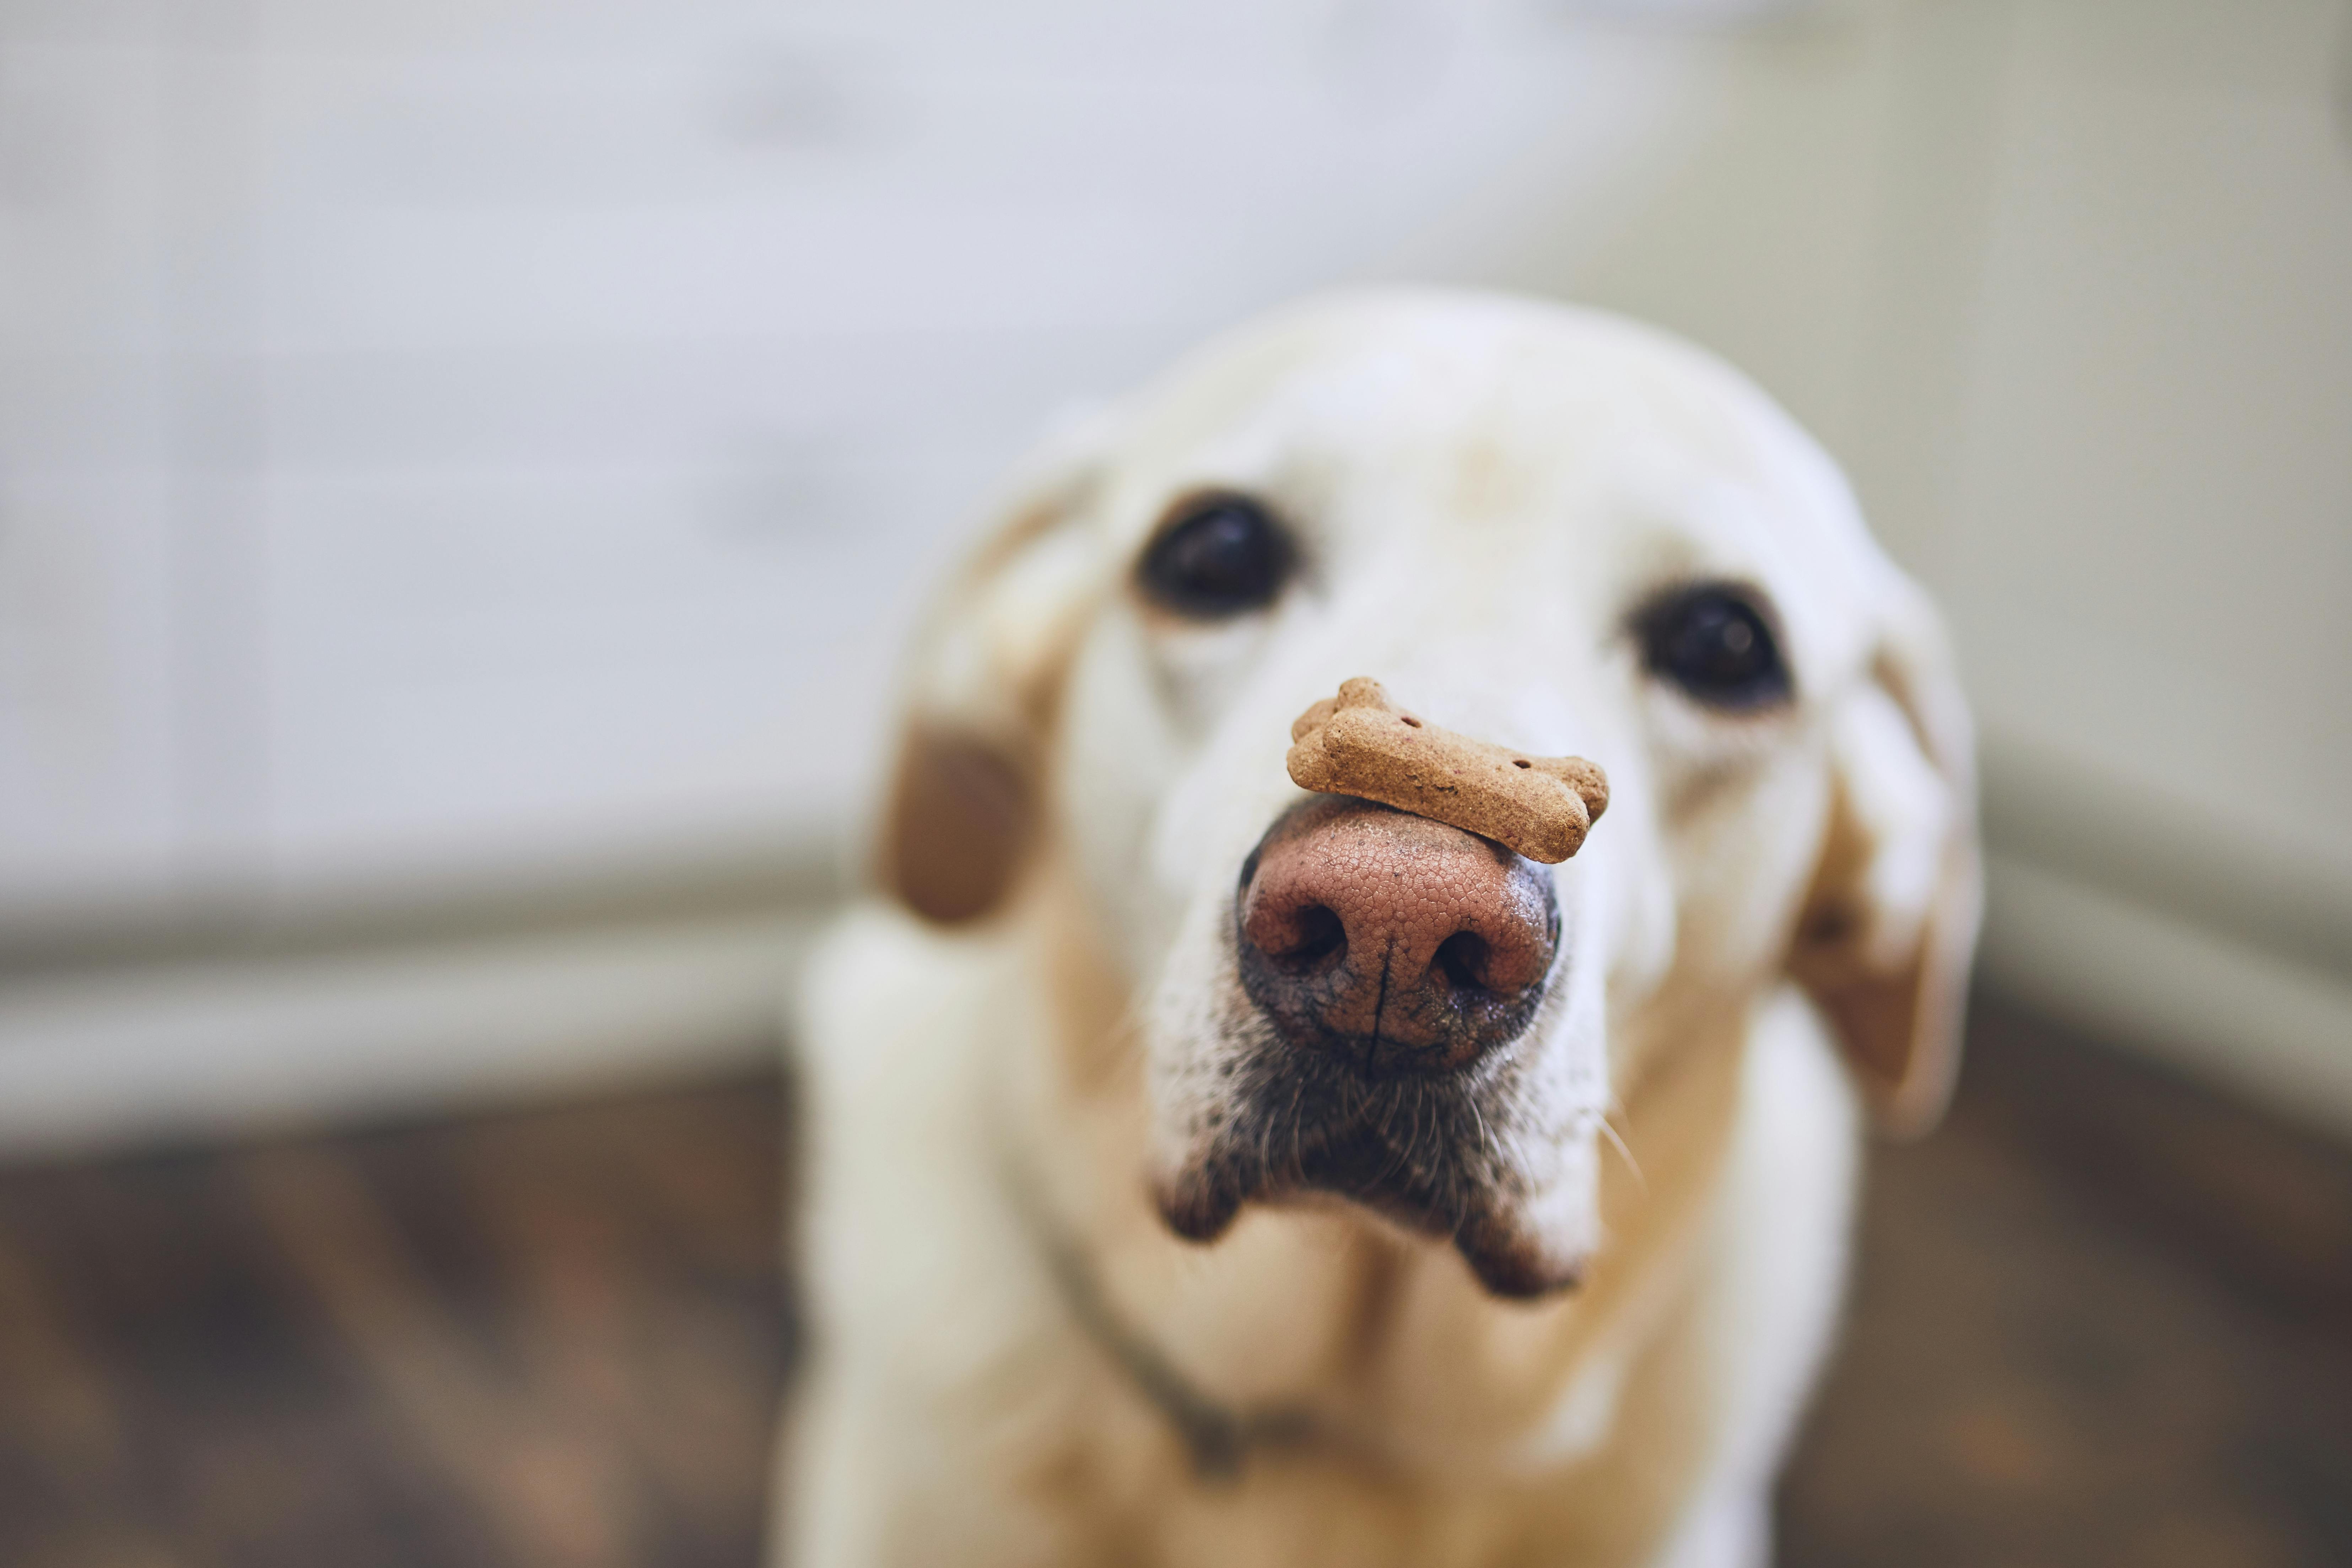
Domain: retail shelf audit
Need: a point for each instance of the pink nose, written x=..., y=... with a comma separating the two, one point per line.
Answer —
x=1403, y=943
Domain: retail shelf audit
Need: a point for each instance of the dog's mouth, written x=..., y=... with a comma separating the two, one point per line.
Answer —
x=1432, y=1154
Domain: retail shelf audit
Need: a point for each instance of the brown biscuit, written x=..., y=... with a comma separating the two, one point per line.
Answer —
x=1361, y=743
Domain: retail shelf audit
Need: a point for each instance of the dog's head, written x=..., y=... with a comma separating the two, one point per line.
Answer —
x=1541, y=528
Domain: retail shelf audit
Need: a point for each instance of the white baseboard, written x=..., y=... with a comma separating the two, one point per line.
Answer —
x=163, y=1052
x=2277, y=1031
x=165, y=1049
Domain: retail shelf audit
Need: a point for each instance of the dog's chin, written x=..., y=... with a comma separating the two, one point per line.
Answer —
x=1418, y=1152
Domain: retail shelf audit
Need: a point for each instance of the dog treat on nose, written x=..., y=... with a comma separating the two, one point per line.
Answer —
x=1361, y=743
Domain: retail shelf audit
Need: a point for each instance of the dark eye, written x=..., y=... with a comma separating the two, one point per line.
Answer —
x=1217, y=555
x=1716, y=642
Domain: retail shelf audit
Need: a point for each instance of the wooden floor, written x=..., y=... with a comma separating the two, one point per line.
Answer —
x=2101, y=1320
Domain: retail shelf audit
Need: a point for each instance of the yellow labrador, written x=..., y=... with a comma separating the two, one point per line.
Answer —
x=1200, y=1171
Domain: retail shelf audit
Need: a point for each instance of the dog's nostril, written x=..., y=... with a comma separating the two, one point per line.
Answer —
x=1316, y=934
x=1461, y=958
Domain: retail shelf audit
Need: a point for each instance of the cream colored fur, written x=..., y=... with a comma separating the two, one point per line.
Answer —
x=1487, y=490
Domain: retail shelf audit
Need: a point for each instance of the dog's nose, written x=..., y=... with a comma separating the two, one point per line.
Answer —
x=1408, y=944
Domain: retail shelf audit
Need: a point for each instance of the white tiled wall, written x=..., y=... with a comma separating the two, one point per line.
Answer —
x=445, y=438
x=2150, y=536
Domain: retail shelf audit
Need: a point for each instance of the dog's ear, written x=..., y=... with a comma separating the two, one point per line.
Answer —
x=1890, y=922
x=963, y=800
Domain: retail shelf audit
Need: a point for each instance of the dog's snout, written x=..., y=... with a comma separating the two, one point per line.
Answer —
x=1406, y=943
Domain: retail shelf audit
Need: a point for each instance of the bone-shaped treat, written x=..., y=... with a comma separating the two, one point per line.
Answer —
x=1361, y=743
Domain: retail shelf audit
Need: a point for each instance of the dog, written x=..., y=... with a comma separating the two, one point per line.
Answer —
x=1200, y=1171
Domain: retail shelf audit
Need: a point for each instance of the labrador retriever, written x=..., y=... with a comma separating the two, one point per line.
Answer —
x=1200, y=1171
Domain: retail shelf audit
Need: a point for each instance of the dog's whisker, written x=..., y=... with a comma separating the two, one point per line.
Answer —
x=1413, y=1130
x=1610, y=1132
x=1298, y=1127
x=1488, y=1144
x=1396, y=1156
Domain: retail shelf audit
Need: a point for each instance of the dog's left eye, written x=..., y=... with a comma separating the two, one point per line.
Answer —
x=1716, y=642
x=1217, y=555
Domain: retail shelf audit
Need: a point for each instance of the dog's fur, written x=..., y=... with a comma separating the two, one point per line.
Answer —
x=1009, y=1069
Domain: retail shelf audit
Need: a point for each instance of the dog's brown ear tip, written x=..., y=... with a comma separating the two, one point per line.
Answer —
x=958, y=822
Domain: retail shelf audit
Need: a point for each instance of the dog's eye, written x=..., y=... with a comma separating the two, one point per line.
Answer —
x=1217, y=555
x=1716, y=642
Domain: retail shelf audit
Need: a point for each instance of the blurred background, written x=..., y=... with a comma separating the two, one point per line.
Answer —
x=465, y=466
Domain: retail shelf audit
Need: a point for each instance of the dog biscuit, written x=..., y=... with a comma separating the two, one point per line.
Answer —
x=1361, y=743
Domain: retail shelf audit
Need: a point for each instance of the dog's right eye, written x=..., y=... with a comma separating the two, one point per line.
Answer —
x=1715, y=640
x=1217, y=555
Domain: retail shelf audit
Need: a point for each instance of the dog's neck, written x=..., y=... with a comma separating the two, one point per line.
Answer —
x=1219, y=1438
x=1076, y=1100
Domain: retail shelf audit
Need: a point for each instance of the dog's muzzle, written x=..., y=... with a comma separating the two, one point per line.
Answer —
x=1392, y=966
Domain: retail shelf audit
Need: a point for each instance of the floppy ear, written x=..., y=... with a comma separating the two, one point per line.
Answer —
x=1890, y=922
x=982, y=686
